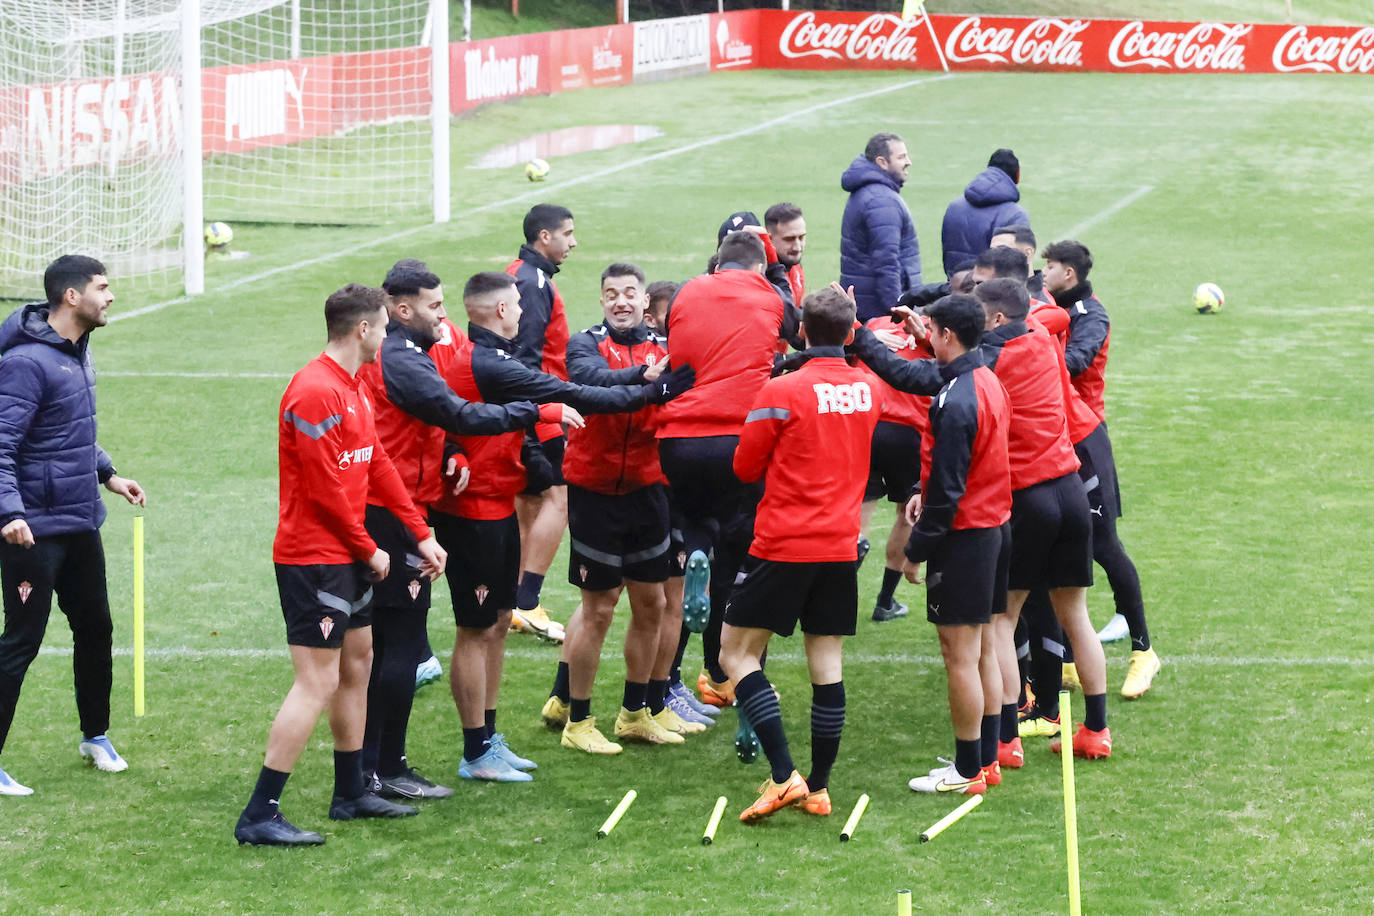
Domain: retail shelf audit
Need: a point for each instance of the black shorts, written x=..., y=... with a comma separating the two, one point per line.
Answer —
x=966, y=576
x=1097, y=467
x=822, y=597
x=895, y=466
x=322, y=601
x=483, y=565
x=614, y=538
x=1051, y=536
x=405, y=586
x=543, y=463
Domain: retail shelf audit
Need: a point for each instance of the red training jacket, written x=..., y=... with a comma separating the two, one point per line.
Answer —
x=1031, y=368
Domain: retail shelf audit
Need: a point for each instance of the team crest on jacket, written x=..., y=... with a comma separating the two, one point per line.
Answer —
x=414, y=589
x=326, y=626
x=481, y=592
x=582, y=571
x=26, y=589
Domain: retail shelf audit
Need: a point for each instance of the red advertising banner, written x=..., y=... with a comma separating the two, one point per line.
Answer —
x=268, y=104
x=589, y=58
x=734, y=40
x=498, y=68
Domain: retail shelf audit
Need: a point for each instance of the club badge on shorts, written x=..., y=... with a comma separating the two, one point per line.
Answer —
x=25, y=589
x=414, y=589
x=481, y=592
x=582, y=571
x=327, y=626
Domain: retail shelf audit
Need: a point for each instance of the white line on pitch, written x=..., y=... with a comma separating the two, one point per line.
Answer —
x=542, y=192
x=1117, y=207
x=117, y=373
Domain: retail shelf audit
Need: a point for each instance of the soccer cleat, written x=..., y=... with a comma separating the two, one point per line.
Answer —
x=947, y=779
x=863, y=547
x=537, y=622
x=410, y=784
x=367, y=805
x=1036, y=725
x=890, y=611
x=1011, y=754
x=1144, y=666
x=817, y=803
x=670, y=720
x=715, y=694
x=1070, y=679
x=685, y=711
x=1088, y=744
x=679, y=689
x=275, y=831
x=9, y=787
x=746, y=741
x=696, y=605
x=992, y=774
x=492, y=767
x=101, y=752
x=638, y=725
x=1114, y=630
x=774, y=797
x=584, y=736
x=427, y=672
x=554, y=714
x=498, y=744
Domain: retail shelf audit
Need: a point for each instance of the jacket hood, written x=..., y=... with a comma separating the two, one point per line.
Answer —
x=862, y=172
x=30, y=325
x=991, y=187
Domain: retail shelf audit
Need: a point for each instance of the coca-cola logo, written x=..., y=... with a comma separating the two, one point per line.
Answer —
x=1297, y=50
x=1050, y=42
x=1205, y=46
x=881, y=36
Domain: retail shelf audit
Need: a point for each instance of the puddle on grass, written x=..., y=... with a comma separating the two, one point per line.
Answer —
x=564, y=142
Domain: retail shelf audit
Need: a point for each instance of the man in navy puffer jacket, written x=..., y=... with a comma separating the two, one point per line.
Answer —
x=989, y=202
x=879, y=256
x=50, y=508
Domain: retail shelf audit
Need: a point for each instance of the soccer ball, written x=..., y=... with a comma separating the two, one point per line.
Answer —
x=536, y=170
x=218, y=235
x=1208, y=298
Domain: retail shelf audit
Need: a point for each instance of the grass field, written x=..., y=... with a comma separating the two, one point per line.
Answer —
x=1242, y=440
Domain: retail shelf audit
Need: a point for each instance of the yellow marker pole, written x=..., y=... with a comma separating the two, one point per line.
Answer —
x=618, y=813
x=904, y=903
x=1070, y=803
x=709, y=836
x=948, y=820
x=853, y=823
x=138, y=615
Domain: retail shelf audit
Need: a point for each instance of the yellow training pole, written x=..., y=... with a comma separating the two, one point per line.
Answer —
x=619, y=812
x=1070, y=802
x=904, y=903
x=709, y=836
x=138, y=615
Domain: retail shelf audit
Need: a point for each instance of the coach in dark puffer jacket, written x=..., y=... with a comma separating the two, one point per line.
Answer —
x=879, y=255
x=988, y=203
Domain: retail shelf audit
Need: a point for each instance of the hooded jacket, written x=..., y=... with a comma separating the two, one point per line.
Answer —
x=51, y=466
x=879, y=254
x=988, y=203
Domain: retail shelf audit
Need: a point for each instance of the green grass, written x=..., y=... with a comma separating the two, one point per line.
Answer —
x=1242, y=440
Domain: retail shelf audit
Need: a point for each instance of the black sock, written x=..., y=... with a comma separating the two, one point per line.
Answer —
x=348, y=774
x=966, y=757
x=1095, y=711
x=579, y=709
x=635, y=696
x=490, y=716
x=759, y=705
x=1047, y=673
x=527, y=592
x=889, y=590
x=560, y=683
x=262, y=805
x=1123, y=578
x=989, y=732
x=827, y=722
x=1008, y=729
x=658, y=692
x=474, y=743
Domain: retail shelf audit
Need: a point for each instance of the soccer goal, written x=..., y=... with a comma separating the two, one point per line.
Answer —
x=124, y=124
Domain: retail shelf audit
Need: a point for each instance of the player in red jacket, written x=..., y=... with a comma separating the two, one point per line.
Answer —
x=807, y=435
x=331, y=463
x=787, y=229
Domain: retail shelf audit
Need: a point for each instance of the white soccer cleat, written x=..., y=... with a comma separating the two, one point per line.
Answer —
x=101, y=752
x=9, y=787
x=1115, y=630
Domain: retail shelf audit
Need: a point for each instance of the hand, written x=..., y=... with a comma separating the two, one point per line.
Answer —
x=892, y=340
x=912, y=572
x=433, y=558
x=572, y=418
x=379, y=565
x=460, y=476
x=652, y=372
x=912, y=511
x=673, y=383
x=847, y=293
x=129, y=489
x=17, y=532
x=915, y=324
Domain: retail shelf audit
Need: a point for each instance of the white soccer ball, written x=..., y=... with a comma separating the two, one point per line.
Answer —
x=536, y=170
x=1208, y=298
x=218, y=235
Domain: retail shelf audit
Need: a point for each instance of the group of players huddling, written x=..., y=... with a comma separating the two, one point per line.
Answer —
x=710, y=448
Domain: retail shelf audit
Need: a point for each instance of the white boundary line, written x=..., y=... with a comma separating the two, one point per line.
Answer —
x=115, y=373
x=1115, y=208
x=541, y=192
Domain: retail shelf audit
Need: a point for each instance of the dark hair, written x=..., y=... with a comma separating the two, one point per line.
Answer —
x=743, y=248
x=781, y=213
x=827, y=316
x=1021, y=234
x=1070, y=254
x=71, y=271
x=544, y=216
x=408, y=276
x=1005, y=295
x=622, y=269
x=1005, y=262
x=961, y=314
x=961, y=281
x=880, y=145
x=661, y=289
x=347, y=306
x=488, y=281
x=1006, y=160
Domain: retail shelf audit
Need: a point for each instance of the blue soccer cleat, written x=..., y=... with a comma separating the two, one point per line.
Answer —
x=696, y=605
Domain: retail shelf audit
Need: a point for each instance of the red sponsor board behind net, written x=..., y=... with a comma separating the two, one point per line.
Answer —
x=589, y=58
x=499, y=68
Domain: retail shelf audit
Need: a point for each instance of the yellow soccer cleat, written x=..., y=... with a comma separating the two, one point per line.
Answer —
x=1070, y=679
x=640, y=726
x=670, y=720
x=1037, y=726
x=584, y=736
x=554, y=714
x=1144, y=666
x=537, y=622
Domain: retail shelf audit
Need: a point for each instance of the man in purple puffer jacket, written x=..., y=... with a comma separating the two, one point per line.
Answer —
x=989, y=202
